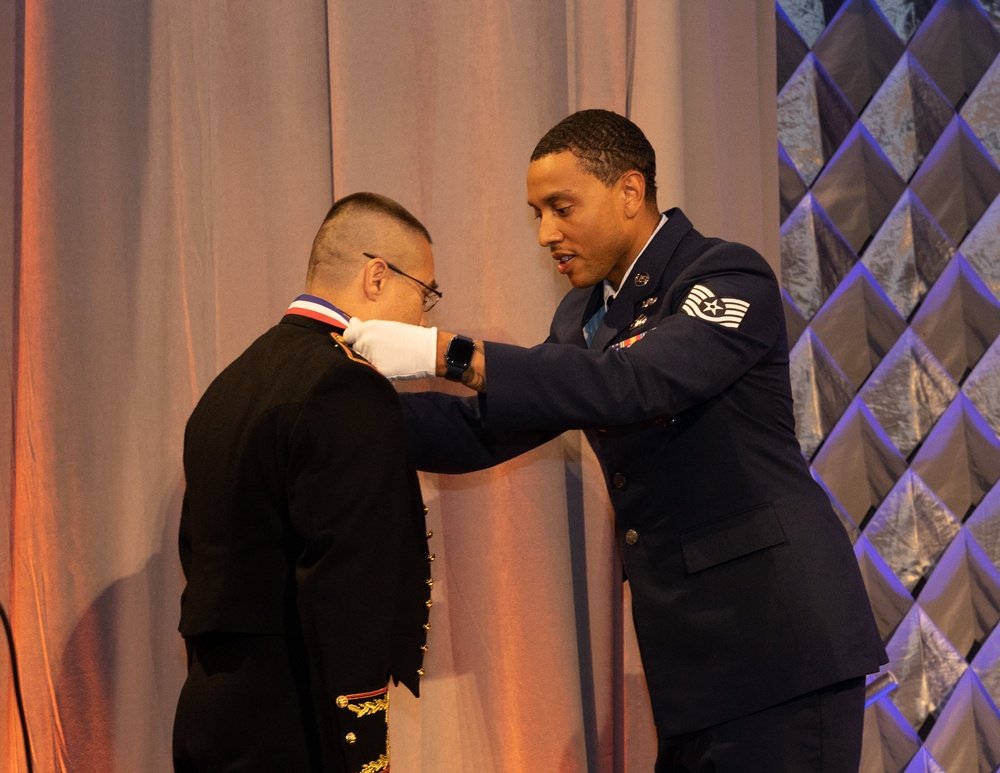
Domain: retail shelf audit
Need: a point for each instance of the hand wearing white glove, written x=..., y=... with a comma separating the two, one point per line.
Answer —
x=398, y=350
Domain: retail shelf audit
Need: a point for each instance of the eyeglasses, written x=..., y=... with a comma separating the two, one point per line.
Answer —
x=431, y=296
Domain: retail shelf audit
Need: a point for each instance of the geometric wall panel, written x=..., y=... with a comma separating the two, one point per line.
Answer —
x=890, y=252
x=908, y=392
x=962, y=596
x=858, y=48
x=890, y=600
x=982, y=386
x=960, y=460
x=982, y=111
x=956, y=44
x=957, y=181
x=813, y=118
x=959, y=319
x=814, y=256
x=820, y=390
x=859, y=187
x=984, y=525
x=858, y=463
x=889, y=741
x=908, y=253
x=911, y=530
x=858, y=325
x=982, y=247
x=907, y=115
x=927, y=666
x=966, y=737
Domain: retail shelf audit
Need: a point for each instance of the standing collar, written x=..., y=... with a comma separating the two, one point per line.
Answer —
x=317, y=308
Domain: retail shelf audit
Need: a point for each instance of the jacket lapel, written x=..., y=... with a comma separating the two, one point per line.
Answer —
x=645, y=279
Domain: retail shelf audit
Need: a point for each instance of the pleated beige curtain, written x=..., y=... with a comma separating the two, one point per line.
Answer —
x=165, y=165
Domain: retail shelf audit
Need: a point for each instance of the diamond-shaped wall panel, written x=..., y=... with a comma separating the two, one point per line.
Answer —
x=890, y=599
x=911, y=529
x=984, y=525
x=982, y=248
x=983, y=386
x=967, y=734
x=858, y=463
x=889, y=741
x=926, y=665
x=908, y=253
x=791, y=48
x=814, y=256
x=962, y=596
x=807, y=16
x=820, y=389
x=858, y=48
x=858, y=187
x=858, y=325
x=957, y=181
x=986, y=665
x=908, y=391
x=813, y=118
x=982, y=111
x=959, y=319
x=907, y=115
x=960, y=460
x=956, y=44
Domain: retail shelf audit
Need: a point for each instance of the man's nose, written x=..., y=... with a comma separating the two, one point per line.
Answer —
x=548, y=232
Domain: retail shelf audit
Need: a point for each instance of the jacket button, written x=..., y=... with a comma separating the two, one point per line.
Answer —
x=631, y=536
x=420, y=672
x=342, y=702
x=427, y=626
x=618, y=480
x=423, y=648
x=350, y=738
x=430, y=557
x=430, y=582
x=430, y=534
x=429, y=603
x=426, y=510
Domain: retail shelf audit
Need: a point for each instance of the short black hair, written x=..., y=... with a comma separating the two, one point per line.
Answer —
x=375, y=202
x=606, y=144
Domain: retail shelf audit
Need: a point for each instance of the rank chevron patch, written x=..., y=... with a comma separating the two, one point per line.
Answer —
x=704, y=304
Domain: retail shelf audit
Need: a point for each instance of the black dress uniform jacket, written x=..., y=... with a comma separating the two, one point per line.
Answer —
x=303, y=519
x=745, y=589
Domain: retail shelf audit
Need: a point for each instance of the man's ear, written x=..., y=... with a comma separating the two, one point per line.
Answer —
x=373, y=279
x=634, y=189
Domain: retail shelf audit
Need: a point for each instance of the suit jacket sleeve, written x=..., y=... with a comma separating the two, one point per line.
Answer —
x=350, y=488
x=445, y=434
x=682, y=361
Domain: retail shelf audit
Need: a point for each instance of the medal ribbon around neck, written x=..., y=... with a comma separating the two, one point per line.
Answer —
x=316, y=308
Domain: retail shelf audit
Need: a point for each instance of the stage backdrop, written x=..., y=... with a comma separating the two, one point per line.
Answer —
x=889, y=130
x=163, y=166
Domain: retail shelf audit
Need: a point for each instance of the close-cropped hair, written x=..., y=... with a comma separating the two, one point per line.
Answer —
x=607, y=145
x=374, y=202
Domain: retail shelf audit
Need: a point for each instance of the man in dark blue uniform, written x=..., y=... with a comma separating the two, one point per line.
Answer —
x=670, y=352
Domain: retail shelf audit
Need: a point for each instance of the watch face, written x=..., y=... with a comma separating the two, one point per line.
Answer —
x=459, y=352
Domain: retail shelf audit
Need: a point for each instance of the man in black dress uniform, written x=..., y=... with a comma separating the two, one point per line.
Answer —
x=302, y=533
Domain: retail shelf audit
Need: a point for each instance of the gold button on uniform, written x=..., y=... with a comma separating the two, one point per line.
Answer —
x=430, y=582
x=430, y=534
x=420, y=672
x=430, y=557
x=350, y=738
x=342, y=702
x=429, y=603
x=631, y=536
x=618, y=480
x=423, y=648
x=641, y=279
x=427, y=626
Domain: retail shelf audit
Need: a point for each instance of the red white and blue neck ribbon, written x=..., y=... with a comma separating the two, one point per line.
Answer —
x=316, y=308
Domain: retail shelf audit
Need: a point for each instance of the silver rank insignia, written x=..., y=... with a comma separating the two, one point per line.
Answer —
x=704, y=304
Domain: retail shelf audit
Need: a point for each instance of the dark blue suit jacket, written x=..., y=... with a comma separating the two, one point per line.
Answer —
x=745, y=589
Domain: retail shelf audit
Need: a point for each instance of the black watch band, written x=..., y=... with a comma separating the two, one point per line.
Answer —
x=458, y=357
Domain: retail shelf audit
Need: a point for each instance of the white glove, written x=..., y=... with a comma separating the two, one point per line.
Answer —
x=398, y=350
